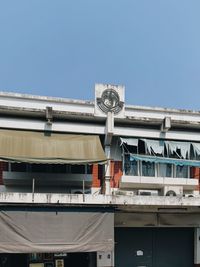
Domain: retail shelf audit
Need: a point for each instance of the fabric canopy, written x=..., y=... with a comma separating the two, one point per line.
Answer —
x=180, y=162
x=184, y=147
x=196, y=147
x=56, y=231
x=129, y=141
x=42, y=147
x=155, y=146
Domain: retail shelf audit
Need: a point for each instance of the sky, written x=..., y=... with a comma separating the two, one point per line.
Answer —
x=63, y=47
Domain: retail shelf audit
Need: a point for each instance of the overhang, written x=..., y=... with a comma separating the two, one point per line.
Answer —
x=50, y=148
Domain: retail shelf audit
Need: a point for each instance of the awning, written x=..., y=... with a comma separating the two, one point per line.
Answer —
x=157, y=146
x=180, y=162
x=24, y=231
x=129, y=141
x=196, y=147
x=154, y=146
x=53, y=148
x=184, y=147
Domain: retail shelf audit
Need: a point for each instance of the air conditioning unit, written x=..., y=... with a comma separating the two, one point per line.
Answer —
x=192, y=193
x=173, y=191
x=148, y=192
x=189, y=195
x=80, y=191
x=125, y=193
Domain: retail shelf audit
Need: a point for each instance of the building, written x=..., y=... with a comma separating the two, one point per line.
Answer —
x=98, y=183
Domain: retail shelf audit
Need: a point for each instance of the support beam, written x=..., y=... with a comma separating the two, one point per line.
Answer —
x=107, y=171
x=166, y=124
x=109, y=129
x=49, y=115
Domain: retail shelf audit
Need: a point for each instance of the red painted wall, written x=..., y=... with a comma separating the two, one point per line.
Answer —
x=195, y=173
x=97, y=173
x=116, y=173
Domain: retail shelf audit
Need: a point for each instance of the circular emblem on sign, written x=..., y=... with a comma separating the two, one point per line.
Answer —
x=110, y=102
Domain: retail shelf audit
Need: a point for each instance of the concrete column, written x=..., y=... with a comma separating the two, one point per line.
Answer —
x=105, y=259
x=107, y=171
x=109, y=131
x=197, y=247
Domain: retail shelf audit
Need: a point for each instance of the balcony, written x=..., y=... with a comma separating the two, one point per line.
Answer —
x=144, y=182
x=45, y=182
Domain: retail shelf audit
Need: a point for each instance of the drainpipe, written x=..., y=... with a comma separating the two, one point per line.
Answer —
x=84, y=178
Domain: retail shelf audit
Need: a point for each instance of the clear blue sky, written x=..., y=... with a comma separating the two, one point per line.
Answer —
x=63, y=47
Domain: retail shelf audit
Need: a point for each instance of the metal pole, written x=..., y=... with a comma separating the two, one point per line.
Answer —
x=84, y=178
x=33, y=189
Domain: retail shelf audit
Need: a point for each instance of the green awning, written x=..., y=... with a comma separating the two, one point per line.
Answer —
x=50, y=148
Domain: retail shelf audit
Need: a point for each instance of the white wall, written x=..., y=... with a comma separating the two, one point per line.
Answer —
x=116, y=152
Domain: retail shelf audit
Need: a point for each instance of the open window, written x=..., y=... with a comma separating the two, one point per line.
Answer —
x=145, y=157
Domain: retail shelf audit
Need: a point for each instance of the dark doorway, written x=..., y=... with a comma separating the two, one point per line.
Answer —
x=12, y=260
x=69, y=259
x=77, y=259
x=154, y=247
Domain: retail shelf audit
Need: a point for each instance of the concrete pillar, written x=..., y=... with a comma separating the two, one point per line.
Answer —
x=107, y=171
x=197, y=247
x=105, y=259
x=109, y=131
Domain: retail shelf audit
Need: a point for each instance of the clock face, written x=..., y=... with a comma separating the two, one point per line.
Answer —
x=110, y=102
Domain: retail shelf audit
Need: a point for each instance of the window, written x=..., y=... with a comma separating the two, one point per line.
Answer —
x=131, y=168
x=18, y=167
x=182, y=172
x=160, y=158
x=50, y=168
x=148, y=168
x=165, y=170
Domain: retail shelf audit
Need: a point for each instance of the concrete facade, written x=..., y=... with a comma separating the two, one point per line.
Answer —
x=137, y=200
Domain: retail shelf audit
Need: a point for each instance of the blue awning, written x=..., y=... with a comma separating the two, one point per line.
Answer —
x=180, y=162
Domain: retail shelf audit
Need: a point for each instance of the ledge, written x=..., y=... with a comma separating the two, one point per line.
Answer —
x=88, y=199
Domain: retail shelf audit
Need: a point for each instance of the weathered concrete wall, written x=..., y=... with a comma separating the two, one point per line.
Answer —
x=125, y=201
